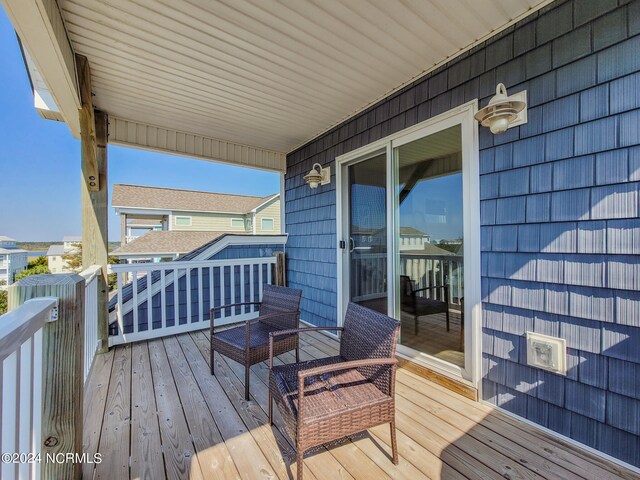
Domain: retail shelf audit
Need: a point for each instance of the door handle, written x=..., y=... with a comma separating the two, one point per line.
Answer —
x=352, y=245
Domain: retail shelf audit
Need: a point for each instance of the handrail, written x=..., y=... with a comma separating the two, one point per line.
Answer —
x=143, y=267
x=18, y=325
x=90, y=273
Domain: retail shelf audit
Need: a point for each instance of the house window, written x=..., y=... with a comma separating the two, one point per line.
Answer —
x=267, y=224
x=237, y=222
x=183, y=221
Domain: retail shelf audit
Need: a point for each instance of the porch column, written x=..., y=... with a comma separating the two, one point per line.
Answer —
x=93, y=135
x=123, y=229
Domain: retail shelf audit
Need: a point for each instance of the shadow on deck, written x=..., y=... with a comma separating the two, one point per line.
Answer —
x=152, y=410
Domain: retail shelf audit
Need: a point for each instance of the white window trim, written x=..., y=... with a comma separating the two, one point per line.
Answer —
x=176, y=217
x=462, y=115
x=273, y=224
x=235, y=219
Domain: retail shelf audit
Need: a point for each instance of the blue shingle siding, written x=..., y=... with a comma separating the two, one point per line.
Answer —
x=560, y=206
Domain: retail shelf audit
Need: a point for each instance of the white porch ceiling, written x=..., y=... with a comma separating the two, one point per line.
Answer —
x=267, y=73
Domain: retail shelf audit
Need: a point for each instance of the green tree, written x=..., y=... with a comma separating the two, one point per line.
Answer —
x=38, y=262
x=3, y=302
x=73, y=258
x=35, y=270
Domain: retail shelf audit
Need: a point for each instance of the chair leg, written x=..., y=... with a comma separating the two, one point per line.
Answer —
x=415, y=325
x=247, y=368
x=211, y=353
x=299, y=464
x=297, y=354
x=270, y=408
x=394, y=446
x=447, y=319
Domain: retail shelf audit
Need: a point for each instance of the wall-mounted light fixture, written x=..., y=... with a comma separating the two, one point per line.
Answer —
x=502, y=111
x=318, y=176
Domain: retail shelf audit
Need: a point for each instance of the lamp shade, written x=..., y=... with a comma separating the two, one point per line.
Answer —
x=500, y=112
x=314, y=177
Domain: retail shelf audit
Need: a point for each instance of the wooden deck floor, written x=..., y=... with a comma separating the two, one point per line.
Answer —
x=153, y=411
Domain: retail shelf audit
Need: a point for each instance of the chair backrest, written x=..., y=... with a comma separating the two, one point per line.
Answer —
x=370, y=334
x=279, y=299
x=406, y=289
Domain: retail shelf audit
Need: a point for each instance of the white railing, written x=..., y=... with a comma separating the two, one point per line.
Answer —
x=430, y=270
x=91, y=341
x=206, y=283
x=369, y=274
x=21, y=379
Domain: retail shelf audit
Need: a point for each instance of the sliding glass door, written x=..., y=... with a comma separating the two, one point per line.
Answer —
x=409, y=238
x=430, y=238
x=367, y=228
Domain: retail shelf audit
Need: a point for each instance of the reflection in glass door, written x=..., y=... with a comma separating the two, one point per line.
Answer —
x=367, y=241
x=429, y=239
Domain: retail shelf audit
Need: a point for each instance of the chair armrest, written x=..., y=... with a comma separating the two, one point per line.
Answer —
x=336, y=367
x=350, y=365
x=213, y=310
x=435, y=287
x=292, y=331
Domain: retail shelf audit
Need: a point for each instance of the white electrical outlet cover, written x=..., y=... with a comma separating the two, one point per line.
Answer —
x=547, y=353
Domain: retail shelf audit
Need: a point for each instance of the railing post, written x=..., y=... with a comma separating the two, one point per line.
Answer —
x=280, y=277
x=62, y=369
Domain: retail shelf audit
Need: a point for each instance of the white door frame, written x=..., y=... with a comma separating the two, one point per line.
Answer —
x=462, y=115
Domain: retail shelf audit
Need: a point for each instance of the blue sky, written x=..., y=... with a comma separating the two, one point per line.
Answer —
x=40, y=164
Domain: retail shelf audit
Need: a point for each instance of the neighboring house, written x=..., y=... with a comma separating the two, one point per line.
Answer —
x=148, y=214
x=13, y=260
x=56, y=253
x=413, y=239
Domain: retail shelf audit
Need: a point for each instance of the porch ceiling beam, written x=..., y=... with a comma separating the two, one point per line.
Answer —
x=42, y=33
x=135, y=134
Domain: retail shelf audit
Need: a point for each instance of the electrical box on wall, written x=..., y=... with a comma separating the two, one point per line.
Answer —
x=548, y=353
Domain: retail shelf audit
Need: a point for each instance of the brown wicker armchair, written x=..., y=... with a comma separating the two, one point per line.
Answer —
x=328, y=399
x=248, y=344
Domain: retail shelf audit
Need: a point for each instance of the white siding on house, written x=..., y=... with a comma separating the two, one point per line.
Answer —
x=270, y=210
x=209, y=222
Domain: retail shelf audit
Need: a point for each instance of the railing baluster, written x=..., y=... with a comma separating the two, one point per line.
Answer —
x=251, y=288
x=211, y=305
x=120, y=312
x=149, y=300
x=222, y=299
x=260, y=281
x=187, y=274
x=232, y=286
x=163, y=298
x=24, y=401
x=176, y=296
x=36, y=425
x=135, y=302
x=269, y=267
x=10, y=421
x=242, y=298
x=200, y=296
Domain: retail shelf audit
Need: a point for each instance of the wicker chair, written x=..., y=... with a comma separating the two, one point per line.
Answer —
x=418, y=306
x=248, y=344
x=328, y=399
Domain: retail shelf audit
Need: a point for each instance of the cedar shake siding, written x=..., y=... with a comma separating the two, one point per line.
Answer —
x=559, y=213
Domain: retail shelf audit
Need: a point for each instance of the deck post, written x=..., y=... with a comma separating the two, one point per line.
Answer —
x=62, y=369
x=280, y=275
x=94, y=136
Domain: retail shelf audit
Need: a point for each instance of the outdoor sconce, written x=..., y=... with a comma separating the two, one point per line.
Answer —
x=503, y=111
x=318, y=176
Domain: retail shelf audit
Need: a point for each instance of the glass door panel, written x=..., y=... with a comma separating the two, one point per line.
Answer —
x=429, y=238
x=367, y=242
